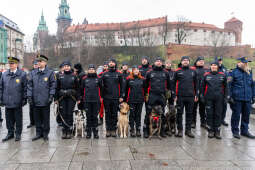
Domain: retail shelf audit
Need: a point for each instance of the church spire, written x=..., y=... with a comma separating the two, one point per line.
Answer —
x=42, y=24
x=64, y=19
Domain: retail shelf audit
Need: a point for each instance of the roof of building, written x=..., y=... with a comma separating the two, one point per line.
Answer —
x=140, y=24
x=234, y=19
x=117, y=26
x=10, y=24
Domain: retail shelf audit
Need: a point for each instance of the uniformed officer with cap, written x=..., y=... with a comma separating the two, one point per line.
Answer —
x=31, y=108
x=242, y=95
x=13, y=89
x=41, y=90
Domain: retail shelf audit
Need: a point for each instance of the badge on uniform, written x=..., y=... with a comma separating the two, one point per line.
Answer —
x=17, y=80
x=45, y=78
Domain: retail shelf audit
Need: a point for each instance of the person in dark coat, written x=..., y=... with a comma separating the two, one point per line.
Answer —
x=223, y=69
x=145, y=66
x=13, y=95
x=91, y=96
x=242, y=95
x=185, y=81
x=134, y=95
x=214, y=90
x=124, y=70
x=200, y=70
x=31, y=108
x=101, y=112
x=40, y=93
x=1, y=118
x=157, y=83
x=79, y=71
x=112, y=93
x=58, y=118
x=67, y=93
x=170, y=70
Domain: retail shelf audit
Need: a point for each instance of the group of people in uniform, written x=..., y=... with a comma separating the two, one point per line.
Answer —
x=188, y=87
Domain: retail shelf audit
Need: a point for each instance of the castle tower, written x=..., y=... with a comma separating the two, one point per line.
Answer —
x=237, y=26
x=41, y=34
x=64, y=19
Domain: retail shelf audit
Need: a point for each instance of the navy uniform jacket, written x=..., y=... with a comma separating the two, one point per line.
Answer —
x=13, y=88
x=41, y=85
x=241, y=85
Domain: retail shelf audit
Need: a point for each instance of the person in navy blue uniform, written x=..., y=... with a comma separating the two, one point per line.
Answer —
x=13, y=95
x=112, y=93
x=134, y=96
x=214, y=91
x=91, y=95
x=67, y=93
x=40, y=93
x=157, y=83
x=242, y=95
x=223, y=69
x=186, y=85
x=31, y=108
x=200, y=70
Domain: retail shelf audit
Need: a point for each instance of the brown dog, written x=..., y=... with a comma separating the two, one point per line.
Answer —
x=155, y=121
x=170, y=125
x=123, y=120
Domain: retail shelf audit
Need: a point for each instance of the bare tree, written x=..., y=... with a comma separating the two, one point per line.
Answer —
x=220, y=43
x=163, y=32
x=182, y=27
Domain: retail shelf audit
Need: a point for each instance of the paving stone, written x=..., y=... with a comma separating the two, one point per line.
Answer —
x=120, y=153
x=154, y=165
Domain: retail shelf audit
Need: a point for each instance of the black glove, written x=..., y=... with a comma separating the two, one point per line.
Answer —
x=51, y=99
x=230, y=100
x=24, y=102
x=253, y=100
x=30, y=101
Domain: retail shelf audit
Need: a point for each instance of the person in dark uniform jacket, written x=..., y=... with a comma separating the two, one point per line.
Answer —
x=200, y=70
x=31, y=108
x=124, y=70
x=58, y=118
x=80, y=73
x=185, y=81
x=242, y=95
x=13, y=95
x=91, y=96
x=145, y=67
x=134, y=88
x=168, y=68
x=67, y=93
x=40, y=93
x=112, y=93
x=214, y=90
x=157, y=83
x=101, y=112
x=1, y=118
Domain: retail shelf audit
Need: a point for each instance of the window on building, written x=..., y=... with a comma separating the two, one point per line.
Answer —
x=195, y=30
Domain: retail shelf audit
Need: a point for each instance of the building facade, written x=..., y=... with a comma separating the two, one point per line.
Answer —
x=3, y=44
x=15, y=39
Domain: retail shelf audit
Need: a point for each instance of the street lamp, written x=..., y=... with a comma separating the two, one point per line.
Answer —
x=17, y=40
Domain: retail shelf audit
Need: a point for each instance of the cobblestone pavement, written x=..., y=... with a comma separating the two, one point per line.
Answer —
x=132, y=153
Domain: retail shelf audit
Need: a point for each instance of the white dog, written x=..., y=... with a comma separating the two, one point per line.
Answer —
x=79, y=120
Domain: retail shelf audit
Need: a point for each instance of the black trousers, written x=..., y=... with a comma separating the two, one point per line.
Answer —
x=135, y=115
x=31, y=114
x=92, y=109
x=224, y=111
x=201, y=112
x=42, y=120
x=66, y=107
x=14, y=117
x=187, y=103
x=214, y=109
x=154, y=99
x=111, y=113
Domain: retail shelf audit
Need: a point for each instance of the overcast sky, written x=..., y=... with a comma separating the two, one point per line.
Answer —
x=27, y=13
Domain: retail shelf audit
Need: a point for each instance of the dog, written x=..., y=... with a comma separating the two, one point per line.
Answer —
x=155, y=121
x=78, y=124
x=170, y=125
x=123, y=120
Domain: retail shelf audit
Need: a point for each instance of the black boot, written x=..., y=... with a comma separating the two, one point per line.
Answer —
x=8, y=137
x=217, y=134
x=64, y=134
x=145, y=132
x=88, y=136
x=132, y=132
x=17, y=137
x=95, y=133
x=37, y=137
x=189, y=134
x=113, y=133
x=179, y=134
x=69, y=134
x=138, y=132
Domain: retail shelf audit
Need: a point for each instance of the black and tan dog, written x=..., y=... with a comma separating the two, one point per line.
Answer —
x=155, y=121
x=170, y=125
